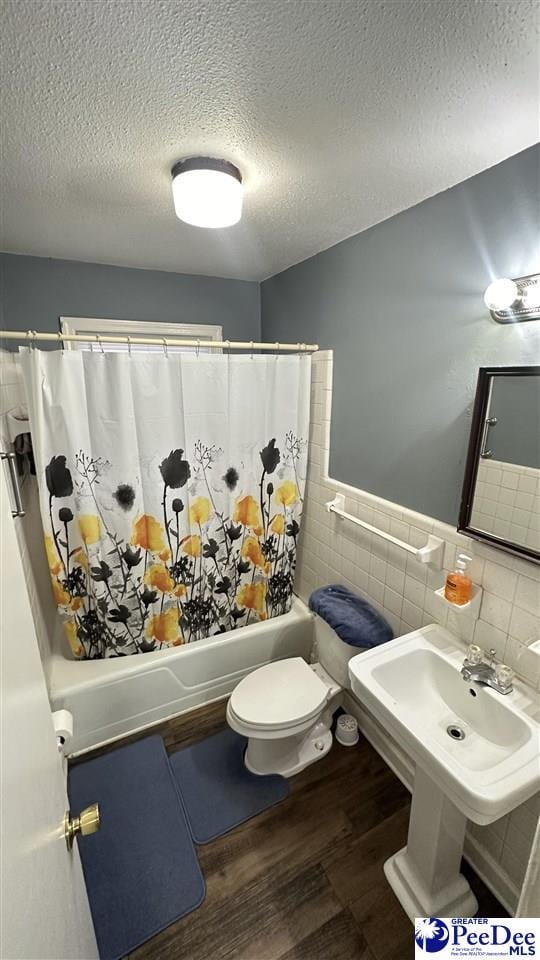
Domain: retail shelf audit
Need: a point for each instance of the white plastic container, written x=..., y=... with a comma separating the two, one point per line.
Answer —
x=347, y=730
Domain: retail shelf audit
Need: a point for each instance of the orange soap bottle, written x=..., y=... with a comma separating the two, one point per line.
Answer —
x=459, y=587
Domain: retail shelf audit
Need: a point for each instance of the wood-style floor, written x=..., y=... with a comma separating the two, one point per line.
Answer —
x=303, y=881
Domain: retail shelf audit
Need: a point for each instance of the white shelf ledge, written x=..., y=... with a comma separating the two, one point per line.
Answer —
x=470, y=609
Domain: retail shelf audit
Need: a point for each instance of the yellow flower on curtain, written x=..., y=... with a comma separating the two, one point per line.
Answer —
x=76, y=647
x=199, y=511
x=191, y=545
x=149, y=534
x=90, y=528
x=287, y=493
x=164, y=627
x=61, y=597
x=165, y=555
x=53, y=560
x=80, y=558
x=180, y=591
x=158, y=576
x=253, y=596
x=252, y=551
x=75, y=604
x=247, y=512
x=278, y=524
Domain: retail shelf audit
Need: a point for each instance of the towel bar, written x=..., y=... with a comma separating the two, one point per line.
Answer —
x=431, y=553
x=11, y=459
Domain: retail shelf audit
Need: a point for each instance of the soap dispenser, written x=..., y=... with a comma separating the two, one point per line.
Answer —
x=459, y=586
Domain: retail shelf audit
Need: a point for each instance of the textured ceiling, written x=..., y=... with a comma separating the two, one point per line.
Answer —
x=340, y=113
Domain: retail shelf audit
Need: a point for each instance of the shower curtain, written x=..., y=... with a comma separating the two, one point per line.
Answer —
x=171, y=491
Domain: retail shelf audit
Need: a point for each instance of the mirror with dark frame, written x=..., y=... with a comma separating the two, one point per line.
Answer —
x=501, y=491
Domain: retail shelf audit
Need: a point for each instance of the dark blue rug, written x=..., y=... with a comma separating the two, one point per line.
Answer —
x=217, y=789
x=141, y=869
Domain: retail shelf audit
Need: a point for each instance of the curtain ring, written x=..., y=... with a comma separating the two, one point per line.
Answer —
x=129, y=345
x=251, y=345
x=228, y=344
x=198, y=347
x=165, y=348
x=98, y=338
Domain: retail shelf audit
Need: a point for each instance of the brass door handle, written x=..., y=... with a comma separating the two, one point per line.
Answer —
x=86, y=823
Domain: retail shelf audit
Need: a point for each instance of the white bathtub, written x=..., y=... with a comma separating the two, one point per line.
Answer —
x=112, y=698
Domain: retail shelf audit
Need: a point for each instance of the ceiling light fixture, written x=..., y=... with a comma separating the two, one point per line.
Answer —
x=207, y=192
x=511, y=301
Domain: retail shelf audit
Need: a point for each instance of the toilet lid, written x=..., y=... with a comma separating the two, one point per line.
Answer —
x=279, y=694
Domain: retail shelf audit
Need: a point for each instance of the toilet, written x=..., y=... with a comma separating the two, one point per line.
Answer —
x=285, y=708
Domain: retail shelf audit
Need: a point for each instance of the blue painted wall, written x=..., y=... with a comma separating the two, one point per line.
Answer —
x=35, y=291
x=402, y=306
x=515, y=438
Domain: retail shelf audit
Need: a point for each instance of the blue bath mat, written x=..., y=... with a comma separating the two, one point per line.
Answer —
x=218, y=791
x=141, y=869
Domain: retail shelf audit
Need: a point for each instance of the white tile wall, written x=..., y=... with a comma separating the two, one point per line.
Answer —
x=507, y=502
x=28, y=528
x=11, y=384
x=332, y=551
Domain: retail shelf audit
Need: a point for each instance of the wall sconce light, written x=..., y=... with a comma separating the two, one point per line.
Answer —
x=513, y=301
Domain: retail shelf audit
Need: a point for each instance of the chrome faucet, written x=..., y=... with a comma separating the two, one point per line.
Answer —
x=498, y=677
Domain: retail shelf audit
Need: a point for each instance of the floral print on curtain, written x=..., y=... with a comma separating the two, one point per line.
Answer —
x=171, y=492
x=189, y=574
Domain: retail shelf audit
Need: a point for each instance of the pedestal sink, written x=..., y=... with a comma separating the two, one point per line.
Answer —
x=476, y=753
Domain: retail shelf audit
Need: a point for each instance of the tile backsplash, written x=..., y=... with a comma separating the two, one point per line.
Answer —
x=403, y=590
x=507, y=502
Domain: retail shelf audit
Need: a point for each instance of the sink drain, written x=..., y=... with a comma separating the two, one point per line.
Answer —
x=455, y=732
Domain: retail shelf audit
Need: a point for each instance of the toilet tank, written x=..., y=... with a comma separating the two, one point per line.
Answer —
x=331, y=652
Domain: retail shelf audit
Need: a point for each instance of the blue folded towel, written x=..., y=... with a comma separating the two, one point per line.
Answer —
x=354, y=620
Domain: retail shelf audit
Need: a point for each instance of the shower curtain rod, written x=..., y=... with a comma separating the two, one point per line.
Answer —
x=98, y=338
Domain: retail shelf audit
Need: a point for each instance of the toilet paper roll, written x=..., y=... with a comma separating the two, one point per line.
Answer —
x=63, y=726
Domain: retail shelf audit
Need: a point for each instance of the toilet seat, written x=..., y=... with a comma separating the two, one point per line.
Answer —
x=279, y=695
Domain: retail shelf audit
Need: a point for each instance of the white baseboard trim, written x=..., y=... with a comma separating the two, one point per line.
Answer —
x=488, y=869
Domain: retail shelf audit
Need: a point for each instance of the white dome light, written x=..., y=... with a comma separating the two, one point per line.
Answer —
x=501, y=294
x=207, y=192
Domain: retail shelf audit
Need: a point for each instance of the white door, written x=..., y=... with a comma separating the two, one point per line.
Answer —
x=44, y=913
